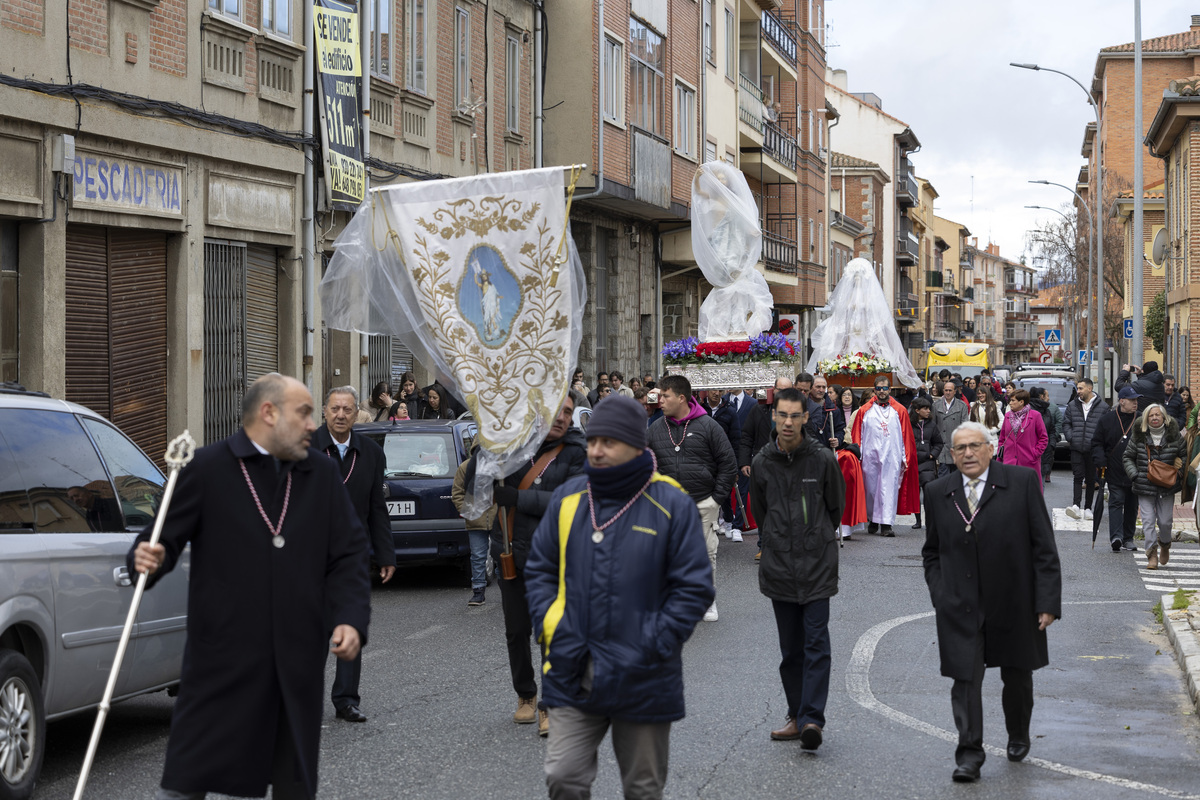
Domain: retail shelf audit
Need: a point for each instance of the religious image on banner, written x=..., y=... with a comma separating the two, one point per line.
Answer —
x=479, y=278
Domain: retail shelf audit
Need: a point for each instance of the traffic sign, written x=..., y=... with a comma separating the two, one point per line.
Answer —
x=1085, y=357
x=1128, y=328
x=1053, y=337
x=1046, y=357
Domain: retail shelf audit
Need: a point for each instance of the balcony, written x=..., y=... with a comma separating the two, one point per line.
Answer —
x=907, y=246
x=778, y=33
x=934, y=279
x=750, y=103
x=968, y=293
x=775, y=161
x=906, y=309
x=907, y=193
x=967, y=327
x=779, y=244
x=966, y=258
x=779, y=145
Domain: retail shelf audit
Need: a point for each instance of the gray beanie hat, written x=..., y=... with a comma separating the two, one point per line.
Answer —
x=621, y=418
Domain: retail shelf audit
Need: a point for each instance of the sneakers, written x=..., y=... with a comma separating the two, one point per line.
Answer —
x=735, y=535
x=476, y=597
x=1130, y=546
x=543, y=723
x=1087, y=513
x=1116, y=545
x=711, y=614
x=526, y=713
x=1152, y=559
x=1074, y=512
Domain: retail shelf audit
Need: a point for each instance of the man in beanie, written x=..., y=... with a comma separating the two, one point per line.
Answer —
x=617, y=579
x=1148, y=384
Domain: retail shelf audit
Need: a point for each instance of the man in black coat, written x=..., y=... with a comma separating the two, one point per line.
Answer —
x=1148, y=385
x=278, y=573
x=993, y=573
x=361, y=463
x=1174, y=402
x=1108, y=449
x=1080, y=420
x=560, y=457
x=826, y=422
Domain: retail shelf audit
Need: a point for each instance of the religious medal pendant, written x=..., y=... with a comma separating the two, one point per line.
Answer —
x=277, y=540
x=968, y=527
x=598, y=535
x=537, y=481
x=676, y=448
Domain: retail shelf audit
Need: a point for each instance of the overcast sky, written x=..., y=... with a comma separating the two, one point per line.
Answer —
x=942, y=67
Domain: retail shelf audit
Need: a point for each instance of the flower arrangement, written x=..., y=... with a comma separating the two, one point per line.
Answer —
x=853, y=364
x=763, y=348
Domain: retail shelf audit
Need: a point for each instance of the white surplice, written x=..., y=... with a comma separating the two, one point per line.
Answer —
x=882, y=462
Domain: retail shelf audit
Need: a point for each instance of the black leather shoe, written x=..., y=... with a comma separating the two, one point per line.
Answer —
x=1116, y=545
x=351, y=714
x=1018, y=749
x=887, y=531
x=965, y=773
x=872, y=527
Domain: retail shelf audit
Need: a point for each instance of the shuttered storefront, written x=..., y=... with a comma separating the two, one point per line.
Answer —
x=241, y=329
x=116, y=329
x=387, y=360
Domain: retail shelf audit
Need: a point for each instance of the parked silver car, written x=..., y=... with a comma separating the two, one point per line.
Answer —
x=74, y=491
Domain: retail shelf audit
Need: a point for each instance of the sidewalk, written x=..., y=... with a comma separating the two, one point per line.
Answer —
x=1183, y=629
x=1183, y=528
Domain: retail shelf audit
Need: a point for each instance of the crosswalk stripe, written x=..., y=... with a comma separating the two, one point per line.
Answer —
x=1182, y=572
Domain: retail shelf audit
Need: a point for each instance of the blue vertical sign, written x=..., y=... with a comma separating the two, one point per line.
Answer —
x=1128, y=325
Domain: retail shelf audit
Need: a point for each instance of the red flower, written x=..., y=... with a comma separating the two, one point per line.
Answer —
x=722, y=348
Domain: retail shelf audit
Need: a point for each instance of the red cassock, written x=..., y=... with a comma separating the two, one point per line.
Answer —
x=856, y=496
x=909, y=501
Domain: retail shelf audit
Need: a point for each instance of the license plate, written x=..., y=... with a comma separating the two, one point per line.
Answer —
x=401, y=508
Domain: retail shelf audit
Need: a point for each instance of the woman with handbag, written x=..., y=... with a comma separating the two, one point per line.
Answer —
x=1023, y=436
x=1152, y=461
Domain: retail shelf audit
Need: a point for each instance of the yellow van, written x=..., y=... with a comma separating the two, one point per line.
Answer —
x=966, y=358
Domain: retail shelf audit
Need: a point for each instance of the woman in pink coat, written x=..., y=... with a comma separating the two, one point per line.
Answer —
x=1023, y=434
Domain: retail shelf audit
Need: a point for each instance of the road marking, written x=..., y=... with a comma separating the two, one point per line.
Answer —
x=858, y=684
x=1183, y=571
x=424, y=632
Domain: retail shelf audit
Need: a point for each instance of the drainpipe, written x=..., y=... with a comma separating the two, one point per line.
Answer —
x=307, y=234
x=365, y=25
x=538, y=72
x=599, y=107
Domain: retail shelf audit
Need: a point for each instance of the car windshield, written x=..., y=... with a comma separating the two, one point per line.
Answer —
x=1060, y=393
x=429, y=455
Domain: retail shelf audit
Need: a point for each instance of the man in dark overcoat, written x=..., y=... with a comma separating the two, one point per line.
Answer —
x=278, y=574
x=361, y=462
x=996, y=584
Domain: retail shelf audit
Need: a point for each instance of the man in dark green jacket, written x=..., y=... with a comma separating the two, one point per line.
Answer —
x=798, y=498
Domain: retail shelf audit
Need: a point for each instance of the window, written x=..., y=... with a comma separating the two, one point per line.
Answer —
x=139, y=483
x=730, y=45
x=419, y=455
x=417, y=30
x=646, y=77
x=462, y=57
x=710, y=152
x=710, y=35
x=380, y=19
x=230, y=8
x=67, y=484
x=685, y=120
x=512, y=85
x=277, y=16
x=614, y=80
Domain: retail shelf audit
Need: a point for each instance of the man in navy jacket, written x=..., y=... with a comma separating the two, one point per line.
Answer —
x=617, y=579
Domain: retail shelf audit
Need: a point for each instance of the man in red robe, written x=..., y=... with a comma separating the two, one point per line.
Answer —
x=885, y=439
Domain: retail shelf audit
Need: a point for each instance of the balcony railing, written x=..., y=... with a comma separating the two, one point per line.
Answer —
x=966, y=258
x=750, y=103
x=968, y=293
x=906, y=309
x=933, y=279
x=779, y=244
x=775, y=31
x=967, y=327
x=907, y=193
x=779, y=145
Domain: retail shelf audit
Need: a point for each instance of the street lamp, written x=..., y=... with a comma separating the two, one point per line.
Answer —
x=1074, y=332
x=1097, y=219
x=1087, y=343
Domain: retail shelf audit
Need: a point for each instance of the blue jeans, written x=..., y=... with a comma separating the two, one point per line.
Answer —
x=479, y=554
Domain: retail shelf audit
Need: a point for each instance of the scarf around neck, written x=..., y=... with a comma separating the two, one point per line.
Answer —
x=620, y=482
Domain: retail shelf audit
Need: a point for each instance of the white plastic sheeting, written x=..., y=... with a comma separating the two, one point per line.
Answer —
x=465, y=272
x=861, y=322
x=727, y=243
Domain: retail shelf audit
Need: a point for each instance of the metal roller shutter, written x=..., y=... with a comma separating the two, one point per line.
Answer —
x=224, y=337
x=138, y=313
x=87, y=334
x=262, y=313
x=402, y=360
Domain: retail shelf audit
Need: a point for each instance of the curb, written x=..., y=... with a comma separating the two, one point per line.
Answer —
x=1186, y=641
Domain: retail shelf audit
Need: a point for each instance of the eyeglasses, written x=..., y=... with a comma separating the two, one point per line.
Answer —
x=882, y=389
x=971, y=447
x=788, y=417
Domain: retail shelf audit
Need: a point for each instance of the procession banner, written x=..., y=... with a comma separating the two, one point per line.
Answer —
x=480, y=278
x=339, y=72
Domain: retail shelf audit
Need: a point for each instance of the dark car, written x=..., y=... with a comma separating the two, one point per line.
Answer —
x=422, y=457
x=1061, y=390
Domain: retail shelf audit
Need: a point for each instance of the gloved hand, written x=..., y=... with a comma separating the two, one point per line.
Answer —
x=505, y=495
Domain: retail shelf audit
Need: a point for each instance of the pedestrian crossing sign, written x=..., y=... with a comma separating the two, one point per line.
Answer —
x=1053, y=337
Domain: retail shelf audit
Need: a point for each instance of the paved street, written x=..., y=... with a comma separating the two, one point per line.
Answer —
x=1112, y=718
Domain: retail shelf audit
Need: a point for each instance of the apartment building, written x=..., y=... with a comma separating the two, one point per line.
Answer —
x=987, y=275
x=1020, y=330
x=958, y=322
x=856, y=209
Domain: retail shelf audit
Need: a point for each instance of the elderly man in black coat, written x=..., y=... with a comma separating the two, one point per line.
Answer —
x=996, y=584
x=361, y=462
x=278, y=574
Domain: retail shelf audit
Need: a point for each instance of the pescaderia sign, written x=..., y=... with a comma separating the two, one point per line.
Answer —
x=114, y=183
x=339, y=70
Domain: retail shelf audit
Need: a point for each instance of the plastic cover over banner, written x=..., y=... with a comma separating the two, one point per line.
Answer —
x=861, y=321
x=474, y=276
x=727, y=243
